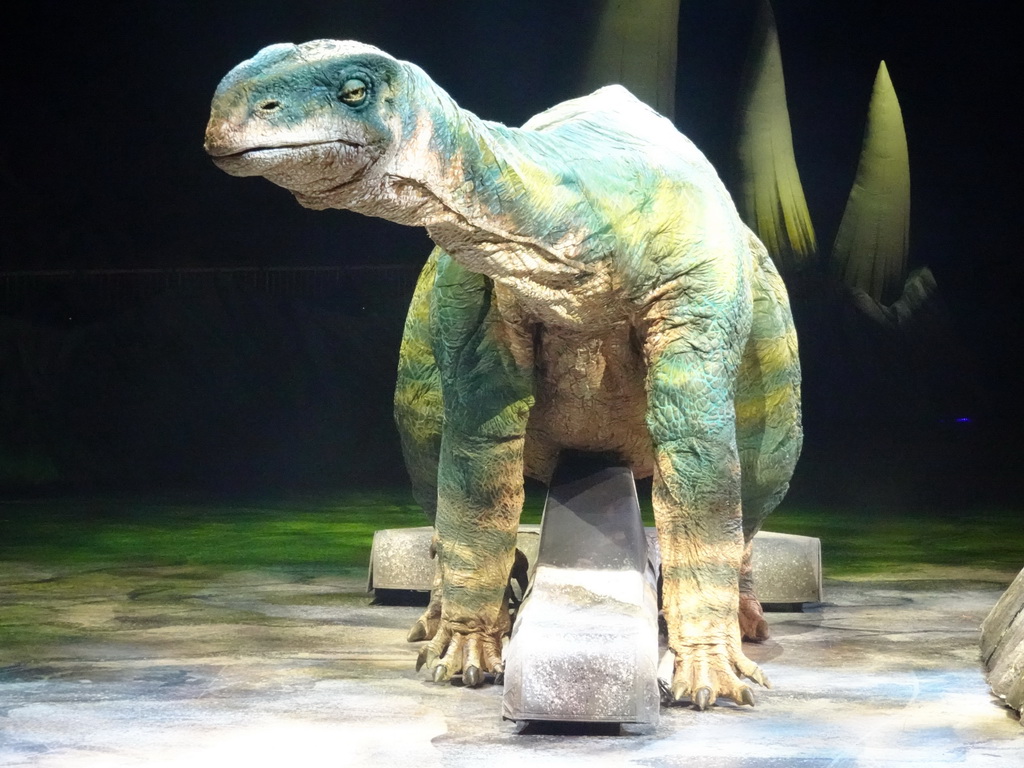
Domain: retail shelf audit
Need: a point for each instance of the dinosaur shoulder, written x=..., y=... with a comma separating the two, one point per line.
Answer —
x=611, y=101
x=612, y=118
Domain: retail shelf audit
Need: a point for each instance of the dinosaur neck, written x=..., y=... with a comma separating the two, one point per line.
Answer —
x=478, y=187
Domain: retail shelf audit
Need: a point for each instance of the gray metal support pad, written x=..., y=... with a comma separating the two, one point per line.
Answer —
x=787, y=568
x=585, y=644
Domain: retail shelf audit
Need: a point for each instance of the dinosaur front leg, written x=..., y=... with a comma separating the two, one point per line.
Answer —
x=487, y=395
x=768, y=422
x=480, y=497
x=698, y=515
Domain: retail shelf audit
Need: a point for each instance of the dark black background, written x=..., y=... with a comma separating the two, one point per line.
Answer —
x=101, y=161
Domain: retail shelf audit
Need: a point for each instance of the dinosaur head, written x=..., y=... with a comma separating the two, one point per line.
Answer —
x=312, y=118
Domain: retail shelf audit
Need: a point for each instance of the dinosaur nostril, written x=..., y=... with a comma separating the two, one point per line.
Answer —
x=270, y=105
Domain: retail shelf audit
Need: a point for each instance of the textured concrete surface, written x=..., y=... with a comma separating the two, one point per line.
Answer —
x=1002, y=645
x=787, y=568
x=400, y=557
x=184, y=667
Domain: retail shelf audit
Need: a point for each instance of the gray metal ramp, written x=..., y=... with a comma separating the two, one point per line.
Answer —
x=585, y=644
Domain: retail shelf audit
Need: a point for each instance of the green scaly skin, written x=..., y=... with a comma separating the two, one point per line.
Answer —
x=593, y=288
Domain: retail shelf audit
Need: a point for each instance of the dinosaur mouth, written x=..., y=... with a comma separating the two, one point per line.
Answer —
x=218, y=153
x=288, y=160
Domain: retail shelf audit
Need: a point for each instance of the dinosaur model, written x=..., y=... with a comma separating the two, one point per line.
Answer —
x=593, y=288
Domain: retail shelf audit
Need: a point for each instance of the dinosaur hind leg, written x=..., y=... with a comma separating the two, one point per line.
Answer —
x=768, y=426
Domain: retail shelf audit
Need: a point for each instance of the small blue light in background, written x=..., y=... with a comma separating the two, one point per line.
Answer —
x=957, y=420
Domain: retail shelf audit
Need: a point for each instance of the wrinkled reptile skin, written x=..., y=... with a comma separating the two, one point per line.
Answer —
x=592, y=288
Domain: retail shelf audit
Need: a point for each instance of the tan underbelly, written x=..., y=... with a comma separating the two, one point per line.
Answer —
x=590, y=396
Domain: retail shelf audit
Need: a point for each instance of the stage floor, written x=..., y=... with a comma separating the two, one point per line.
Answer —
x=162, y=667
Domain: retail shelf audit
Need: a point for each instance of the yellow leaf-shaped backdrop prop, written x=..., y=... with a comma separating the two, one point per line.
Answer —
x=772, y=201
x=635, y=46
x=871, y=246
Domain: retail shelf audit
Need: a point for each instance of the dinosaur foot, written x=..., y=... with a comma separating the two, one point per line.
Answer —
x=473, y=655
x=753, y=626
x=703, y=673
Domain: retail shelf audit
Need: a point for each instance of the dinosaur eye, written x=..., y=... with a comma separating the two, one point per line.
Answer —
x=353, y=92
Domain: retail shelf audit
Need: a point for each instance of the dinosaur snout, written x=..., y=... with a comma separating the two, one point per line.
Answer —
x=236, y=128
x=226, y=126
x=227, y=142
x=221, y=138
x=239, y=121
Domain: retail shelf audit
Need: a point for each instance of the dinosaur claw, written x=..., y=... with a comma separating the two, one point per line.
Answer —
x=678, y=692
x=472, y=676
x=747, y=697
x=417, y=633
x=440, y=673
x=702, y=699
x=421, y=658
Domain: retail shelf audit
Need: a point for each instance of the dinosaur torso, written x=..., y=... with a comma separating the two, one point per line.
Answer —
x=576, y=273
